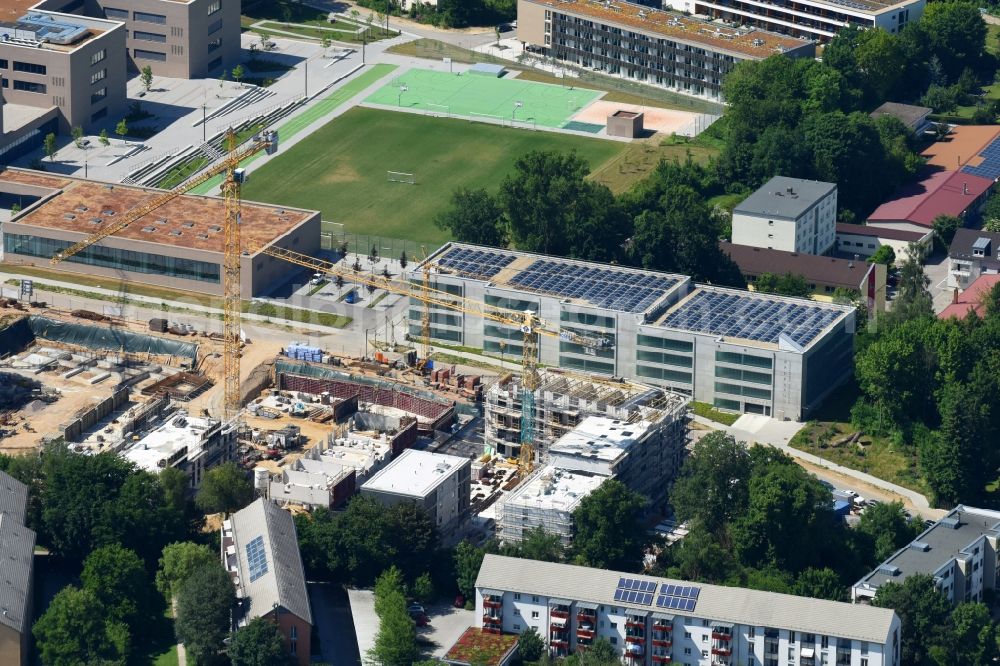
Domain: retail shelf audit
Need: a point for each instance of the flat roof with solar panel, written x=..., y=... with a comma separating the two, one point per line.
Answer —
x=605, y=286
x=753, y=317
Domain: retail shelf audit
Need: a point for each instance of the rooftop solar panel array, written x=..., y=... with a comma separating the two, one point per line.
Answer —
x=990, y=166
x=678, y=597
x=476, y=262
x=750, y=318
x=604, y=287
x=635, y=591
x=256, y=558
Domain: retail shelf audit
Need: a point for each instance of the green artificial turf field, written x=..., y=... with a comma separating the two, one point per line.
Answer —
x=341, y=168
x=473, y=95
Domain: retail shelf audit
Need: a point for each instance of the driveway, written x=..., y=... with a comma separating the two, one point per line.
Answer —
x=936, y=269
x=334, y=625
x=447, y=624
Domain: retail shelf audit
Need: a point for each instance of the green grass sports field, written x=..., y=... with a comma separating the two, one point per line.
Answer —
x=341, y=169
x=471, y=94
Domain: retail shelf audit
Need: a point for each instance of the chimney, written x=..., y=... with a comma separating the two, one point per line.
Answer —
x=965, y=188
x=954, y=295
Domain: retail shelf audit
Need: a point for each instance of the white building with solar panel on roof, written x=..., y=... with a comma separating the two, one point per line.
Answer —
x=653, y=621
x=737, y=350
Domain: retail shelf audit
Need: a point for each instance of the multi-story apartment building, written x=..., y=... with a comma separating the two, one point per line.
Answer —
x=808, y=19
x=51, y=59
x=654, y=621
x=176, y=38
x=645, y=44
x=789, y=214
x=973, y=252
x=959, y=551
x=739, y=350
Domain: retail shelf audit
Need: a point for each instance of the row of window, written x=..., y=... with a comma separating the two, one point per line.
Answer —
x=26, y=67
x=723, y=372
x=448, y=335
x=663, y=358
x=109, y=257
x=662, y=374
x=149, y=36
x=744, y=359
x=745, y=391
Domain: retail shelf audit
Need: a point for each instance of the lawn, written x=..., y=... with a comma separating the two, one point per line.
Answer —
x=474, y=95
x=341, y=169
x=707, y=411
x=639, y=158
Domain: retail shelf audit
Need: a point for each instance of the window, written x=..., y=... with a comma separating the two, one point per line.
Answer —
x=704, y=638
x=614, y=625
x=176, y=31
x=215, y=27
x=535, y=599
x=112, y=13
x=149, y=55
x=3, y=63
x=149, y=36
x=534, y=615
x=517, y=627
x=704, y=654
x=294, y=633
x=98, y=56
x=751, y=632
x=687, y=634
x=214, y=6
x=98, y=95
x=99, y=75
x=687, y=650
x=824, y=641
x=214, y=44
x=28, y=86
x=146, y=17
x=29, y=67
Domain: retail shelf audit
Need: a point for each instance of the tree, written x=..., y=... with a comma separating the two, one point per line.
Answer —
x=884, y=255
x=77, y=133
x=204, y=603
x=423, y=588
x=945, y=227
x=103, y=138
x=146, y=77
x=530, y=645
x=468, y=559
x=74, y=631
x=785, y=285
x=474, y=217
x=888, y=528
x=395, y=642
x=258, y=644
x=238, y=73
x=991, y=301
x=117, y=577
x=121, y=129
x=973, y=639
x=607, y=532
x=50, y=146
x=537, y=544
x=712, y=487
x=601, y=653
x=224, y=489
x=403, y=261
x=912, y=298
x=390, y=582
x=923, y=613
x=956, y=34
x=820, y=584
x=954, y=459
x=178, y=562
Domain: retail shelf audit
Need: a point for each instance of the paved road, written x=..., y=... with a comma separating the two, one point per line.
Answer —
x=334, y=624
x=763, y=430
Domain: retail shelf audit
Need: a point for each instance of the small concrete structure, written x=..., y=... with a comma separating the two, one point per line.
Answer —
x=626, y=124
x=488, y=69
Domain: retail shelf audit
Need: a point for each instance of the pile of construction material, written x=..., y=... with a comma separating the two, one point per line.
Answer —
x=300, y=351
x=469, y=386
x=17, y=391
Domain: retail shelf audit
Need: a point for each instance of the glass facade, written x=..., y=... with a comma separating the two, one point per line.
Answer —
x=664, y=343
x=743, y=375
x=587, y=319
x=743, y=359
x=663, y=358
x=109, y=257
x=586, y=365
x=746, y=391
x=416, y=331
x=663, y=374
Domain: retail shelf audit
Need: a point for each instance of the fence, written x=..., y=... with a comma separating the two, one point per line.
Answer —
x=334, y=237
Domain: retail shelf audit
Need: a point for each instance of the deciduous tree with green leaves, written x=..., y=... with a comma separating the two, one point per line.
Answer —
x=474, y=216
x=75, y=630
x=146, y=77
x=259, y=643
x=204, y=603
x=923, y=612
x=178, y=562
x=224, y=489
x=884, y=255
x=607, y=532
x=50, y=146
x=118, y=579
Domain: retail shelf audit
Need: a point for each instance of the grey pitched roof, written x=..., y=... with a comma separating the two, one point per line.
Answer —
x=13, y=497
x=774, y=199
x=722, y=604
x=909, y=114
x=17, y=555
x=961, y=246
x=284, y=581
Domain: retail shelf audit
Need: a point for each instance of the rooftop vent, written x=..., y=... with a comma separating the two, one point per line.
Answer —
x=176, y=232
x=921, y=546
x=215, y=228
x=161, y=220
x=188, y=225
x=758, y=41
x=149, y=230
x=69, y=216
x=96, y=220
x=82, y=209
x=107, y=212
x=889, y=570
x=202, y=236
x=949, y=522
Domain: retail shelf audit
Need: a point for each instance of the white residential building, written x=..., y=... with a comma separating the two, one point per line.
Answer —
x=439, y=483
x=192, y=444
x=808, y=19
x=656, y=621
x=788, y=214
x=546, y=500
x=959, y=551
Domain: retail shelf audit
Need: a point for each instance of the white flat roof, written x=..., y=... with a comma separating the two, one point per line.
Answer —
x=179, y=431
x=554, y=490
x=599, y=437
x=415, y=473
x=356, y=451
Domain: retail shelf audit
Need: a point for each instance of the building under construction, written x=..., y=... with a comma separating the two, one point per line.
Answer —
x=563, y=401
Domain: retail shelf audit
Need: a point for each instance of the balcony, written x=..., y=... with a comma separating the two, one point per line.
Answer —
x=661, y=658
x=722, y=636
x=586, y=618
x=635, y=639
x=562, y=614
x=635, y=622
x=492, y=603
x=722, y=651
x=585, y=633
x=662, y=642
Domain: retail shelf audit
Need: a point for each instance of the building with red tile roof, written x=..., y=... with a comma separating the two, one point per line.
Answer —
x=971, y=298
x=916, y=205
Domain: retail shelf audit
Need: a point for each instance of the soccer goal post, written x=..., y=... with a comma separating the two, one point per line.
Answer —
x=400, y=177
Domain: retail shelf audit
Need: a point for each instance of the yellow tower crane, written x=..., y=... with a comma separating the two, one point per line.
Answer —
x=530, y=325
x=232, y=298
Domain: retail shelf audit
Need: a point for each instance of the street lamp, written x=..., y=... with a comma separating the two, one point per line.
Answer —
x=399, y=98
x=517, y=105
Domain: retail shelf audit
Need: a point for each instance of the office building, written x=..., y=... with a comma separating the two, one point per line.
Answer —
x=915, y=206
x=808, y=19
x=438, y=483
x=959, y=551
x=789, y=214
x=183, y=39
x=823, y=275
x=972, y=253
x=52, y=59
x=179, y=245
x=260, y=550
x=17, y=551
x=738, y=350
x=653, y=621
x=644, y=44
